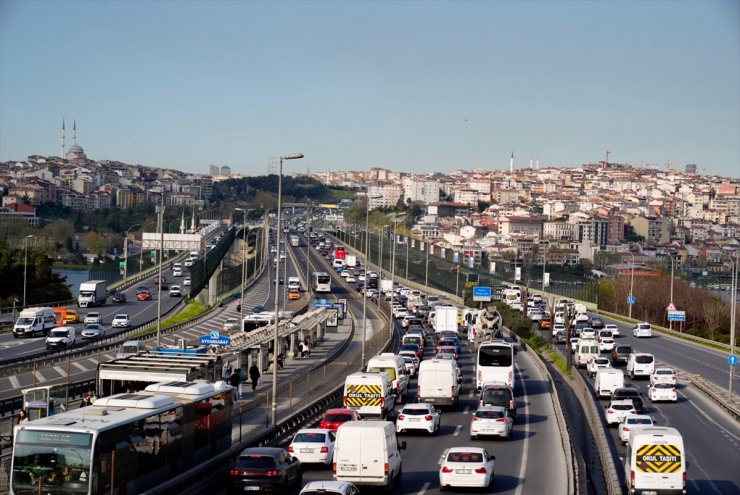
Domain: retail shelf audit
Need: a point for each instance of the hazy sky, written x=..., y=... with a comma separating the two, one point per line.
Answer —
x=413, y=86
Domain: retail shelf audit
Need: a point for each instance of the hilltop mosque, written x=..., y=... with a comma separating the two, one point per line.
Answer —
x=75, y=152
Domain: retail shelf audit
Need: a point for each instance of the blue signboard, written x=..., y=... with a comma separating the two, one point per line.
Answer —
x=677, y=316
x=630, y=299
x=323, y=303
x=481, y=293
x=215, y=338
x=732, y=360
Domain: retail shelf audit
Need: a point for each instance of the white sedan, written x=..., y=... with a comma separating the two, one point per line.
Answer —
x=313, y=446
x=351, y=279
x=186, y=281
x=557, y=328
x=663, y=391
x=614, y=329
x=619, y=409
x=121, y=321
x=491, y=420
x=663, y=375
x=632, y=422
x=597, y=363
x=410, y=365
x=418, y=417
x=606, y=344
x=466, y=467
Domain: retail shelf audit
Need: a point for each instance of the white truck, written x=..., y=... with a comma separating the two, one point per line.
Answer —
x=92, y=293
x=61, y=338
x=377, y=463
x=294, y=283
x=607, y=381
x=350, y=260
x=295, y=241
x=32, y=321
x=386, y=285
x=445, y=318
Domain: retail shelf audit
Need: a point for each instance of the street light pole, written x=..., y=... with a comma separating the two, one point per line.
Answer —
x=364, y=291
x=275, y=342
x=670, y=322
x=245, y=246
x=426, y=269
x=25, y=267
x=632, y=286
x=733, y=316
x=125, y=250
x=159, y=289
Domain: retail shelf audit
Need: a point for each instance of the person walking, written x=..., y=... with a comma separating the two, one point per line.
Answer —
x=254, y=375
x=22, y=417
x=226, y=371
x=302, y=348
x=235, y=381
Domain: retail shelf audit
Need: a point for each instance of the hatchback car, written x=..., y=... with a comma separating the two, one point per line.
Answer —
x=491, y=420
x=186, y=281
x=597, y=363
x=313, y=446
x=663, y=375
x=631, y=422
x=621, y=353
x=558, y=327
x=92, y=317
x=613, y=328
x=143, y=294
x=175, y=291
x=265, y=469
x=93, y=331
x=72, y=316
x=606, y=344
x=618, y=409
x=498, y=394
x=121, y=321
x=329, y=488
x=449, y=342
x=629, y=393
x=334, y=418
x=418, y=417
x=118, y=297
x=448, y=349
x=466, y=467
x=663, y=392
x=415, y=348
x=411, y=366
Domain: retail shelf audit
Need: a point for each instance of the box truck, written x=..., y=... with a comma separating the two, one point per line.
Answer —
x=34, y=320
x=92, y=293
x=445, y=318
x=350, y=260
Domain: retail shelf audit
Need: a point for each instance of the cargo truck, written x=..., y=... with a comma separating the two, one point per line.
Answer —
x=34, y=320
x=350, y=261
x=92, y=293
x=445, y=318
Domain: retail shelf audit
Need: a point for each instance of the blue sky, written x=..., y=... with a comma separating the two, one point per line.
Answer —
x=412, y=86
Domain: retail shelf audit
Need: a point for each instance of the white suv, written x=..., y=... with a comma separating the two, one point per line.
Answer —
x=642, y=329
x=121, y=321
x=640, y=364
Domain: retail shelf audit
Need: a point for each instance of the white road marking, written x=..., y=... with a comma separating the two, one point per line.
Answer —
x=14, y=382
x=79, y=366
x=458, y=428
x=467, y=410
x=525, y=450
x=59, y=370
x=423, y=488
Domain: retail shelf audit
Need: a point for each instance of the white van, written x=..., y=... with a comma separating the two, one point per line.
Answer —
x=294, y=283
x=377, y=463
x=438, y=382
x=34, y=320
x=586, y=349
x=390, y=363
x=640, y=364
x=607, y=381
x=370, y=394
x=642, y=329
x=655, y=461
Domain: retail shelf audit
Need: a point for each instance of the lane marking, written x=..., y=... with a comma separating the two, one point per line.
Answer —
x=14, y=382
x=59, y=370
x=467, y=410
x=423, y=488
x=525, y=450
x=79, y=366
x=458, y=428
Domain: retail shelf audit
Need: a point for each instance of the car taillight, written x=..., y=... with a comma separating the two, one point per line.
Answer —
x=501, y=420
x=344, y=401
x=480, y=470
x=632, y=478
x=333, y=468
x=446, y=469
x=610, y=411
x=324, y=449
x=235, y=472
x=625, y=428
x=476, y=418
x=382, y=401
x=428, y=417
x=272, y=474
x=401, y=416
x=511, y=378
x=386, y=468
x=684, y=479
x=290, y=448
x=452, y=389
x=652, y=390
x=481, y=402
x=633, y=411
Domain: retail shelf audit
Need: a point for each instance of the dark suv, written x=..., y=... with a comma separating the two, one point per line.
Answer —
x=621, y=353
x=266, y=469
x=629, y=393
x=118, y=297
x=495, y=394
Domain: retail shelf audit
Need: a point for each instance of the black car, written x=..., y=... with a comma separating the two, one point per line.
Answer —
x=266, y=469
x=621, y=353
x=596, y=323
x=118, y=297
x=629, y=393
x=498, y=395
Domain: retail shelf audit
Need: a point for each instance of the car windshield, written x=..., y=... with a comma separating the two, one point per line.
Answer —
x=58, y=333
x=489, y=414
x=664, y=372
x=465, y=457
x=255, y=461
x=410, y=347
x=309, y=438
x=337, y=417
x=639, y=421
x=624, y=349
x=643, y=359
x=415, y=411
x=495, y=396
x=495, y=356
x=664, y=386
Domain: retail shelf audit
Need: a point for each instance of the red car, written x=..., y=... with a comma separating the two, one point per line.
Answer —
x=334, y=418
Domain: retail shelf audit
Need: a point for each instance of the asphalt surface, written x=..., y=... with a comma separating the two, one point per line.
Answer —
x=711, y=437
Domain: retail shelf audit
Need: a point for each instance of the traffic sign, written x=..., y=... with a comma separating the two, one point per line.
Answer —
x=677, y=316
x=732, y=359
x=323, y=303
x=630, y=299
x=481, y=293
x=671, y=307
x=215, y=338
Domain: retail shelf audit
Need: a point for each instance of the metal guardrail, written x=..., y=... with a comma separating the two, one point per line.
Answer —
x=716, y=394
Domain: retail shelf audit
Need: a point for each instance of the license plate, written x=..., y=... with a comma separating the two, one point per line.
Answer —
x=649, y=492
x=348, y=467
x=413, y=420
x=463, y=471
x=251, y=488
x=306, y=451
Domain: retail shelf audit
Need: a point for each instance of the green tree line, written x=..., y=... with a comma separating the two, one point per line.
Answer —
x=42, y=284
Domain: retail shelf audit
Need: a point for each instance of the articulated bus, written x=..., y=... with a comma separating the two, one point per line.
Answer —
x=124, y=443
x=321, y=282
x=495, y=363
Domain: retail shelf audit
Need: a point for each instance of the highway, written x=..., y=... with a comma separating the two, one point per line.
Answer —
x=711, y=437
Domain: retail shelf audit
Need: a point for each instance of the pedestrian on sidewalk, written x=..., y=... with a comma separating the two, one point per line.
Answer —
x=280, y=360
x=254, y=375
x=307, y=347
x=235, y=381
x=22, y=417
x=226, y=371
x=302, y=348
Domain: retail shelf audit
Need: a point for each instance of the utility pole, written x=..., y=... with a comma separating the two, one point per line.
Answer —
x=160, y=210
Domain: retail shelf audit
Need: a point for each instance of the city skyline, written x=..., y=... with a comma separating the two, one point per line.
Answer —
x=411, y=86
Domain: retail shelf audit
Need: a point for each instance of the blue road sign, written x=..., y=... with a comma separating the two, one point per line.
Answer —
x=323, y=303
x=215, y=338
x=732, y=359
x=677, y=316
x=630, y=299
x=481, y=293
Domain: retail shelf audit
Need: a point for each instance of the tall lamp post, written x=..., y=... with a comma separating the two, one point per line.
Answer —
x=670, y=322
x=733, y=316
x=393, y=268
x=244, y=265
x=25, y=266
x=364, y=292
x=160, y=210
x=632, y=286
x=426, y=267
x=125, y=251
x=275, y=343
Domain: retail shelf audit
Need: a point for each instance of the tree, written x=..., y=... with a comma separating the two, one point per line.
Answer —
x=716, y=315
x=95, y=243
